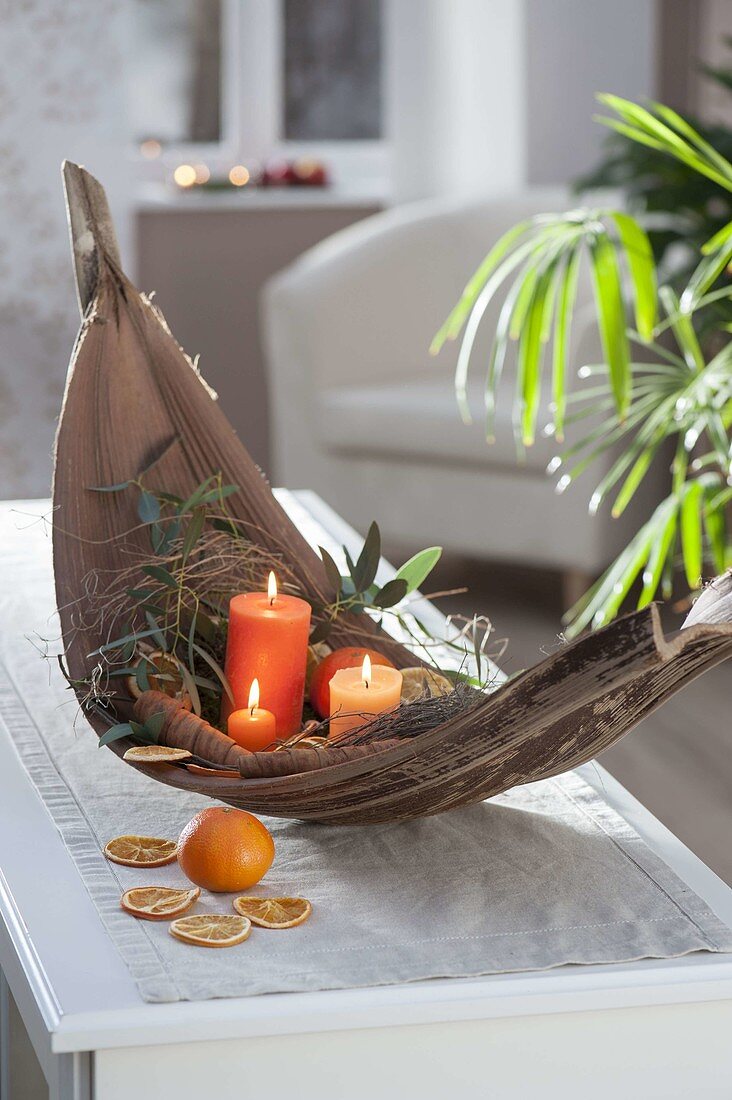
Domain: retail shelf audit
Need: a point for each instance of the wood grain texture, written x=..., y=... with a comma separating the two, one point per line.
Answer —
x=134, y=402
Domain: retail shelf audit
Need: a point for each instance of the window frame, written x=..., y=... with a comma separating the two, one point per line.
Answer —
x=252, y=88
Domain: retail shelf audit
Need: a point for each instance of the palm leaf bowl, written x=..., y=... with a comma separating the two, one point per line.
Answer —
x=134, y=401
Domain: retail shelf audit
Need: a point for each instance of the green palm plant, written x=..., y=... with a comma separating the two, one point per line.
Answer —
x=680, y=207
x=668, y=394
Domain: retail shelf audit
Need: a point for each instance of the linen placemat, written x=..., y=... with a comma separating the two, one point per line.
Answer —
x=544, y=875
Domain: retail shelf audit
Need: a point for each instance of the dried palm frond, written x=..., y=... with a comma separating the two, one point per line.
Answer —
x=134, y=402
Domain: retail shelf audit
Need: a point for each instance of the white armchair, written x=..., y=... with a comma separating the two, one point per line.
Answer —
x=363, y=415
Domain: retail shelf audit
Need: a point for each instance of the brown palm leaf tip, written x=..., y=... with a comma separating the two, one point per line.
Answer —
x=134, y=402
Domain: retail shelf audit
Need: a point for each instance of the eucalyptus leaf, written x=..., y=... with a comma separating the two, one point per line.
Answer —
x=154, y=724
x=158, y=537
x=418, y=568
x=206, y=627
x=349, y=561
x=227, y=526
x=140, y=593
x=214, y=495
x=141, y=677
x=117, y=643
x=171, y=533
x=195, y=498
x=148, y=507
x=158, y=634
x=160, y=573
x=392, y=592
x=193, y=531
x=191, y=688
x=153, y=608
x=215, y=668
x=368, y=560
x=110, y=488
x=115, y=733
x=332, y=571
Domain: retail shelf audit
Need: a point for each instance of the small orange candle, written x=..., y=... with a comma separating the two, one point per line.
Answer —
x=358, y=694
x=268, y=641
x=253, y=728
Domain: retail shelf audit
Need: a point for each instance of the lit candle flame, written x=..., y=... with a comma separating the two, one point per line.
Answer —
x=253, y=696
x=366, y=671
x=272, y=588
x=185, y=175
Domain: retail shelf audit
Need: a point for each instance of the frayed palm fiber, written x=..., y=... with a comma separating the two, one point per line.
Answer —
x=134, y=402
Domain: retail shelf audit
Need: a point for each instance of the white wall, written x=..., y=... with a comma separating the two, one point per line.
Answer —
x=575, y=48
x=60, y=96
x=455, y=96
x=487, y=96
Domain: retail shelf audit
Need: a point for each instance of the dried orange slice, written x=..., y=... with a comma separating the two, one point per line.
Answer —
x=423, y=683
x=211, y=930
x=156, y=754
x=274, y=912
x=168, y=679
x=158, y=902
x=141, y=851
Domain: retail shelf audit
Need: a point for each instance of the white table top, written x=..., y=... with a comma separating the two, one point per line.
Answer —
x=88, y=1001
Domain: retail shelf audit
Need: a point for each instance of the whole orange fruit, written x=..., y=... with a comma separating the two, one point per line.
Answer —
x=223, y=849
x=347, y=657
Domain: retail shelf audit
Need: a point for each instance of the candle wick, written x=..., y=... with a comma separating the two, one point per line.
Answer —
x=272, y=600
x=251, y=712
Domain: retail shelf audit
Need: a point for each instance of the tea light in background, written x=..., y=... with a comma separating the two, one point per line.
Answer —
x=268, y=641
x=203, y=173
x=358, y=694
x=150, y=149
x=185, y=175
x=239, y=175
x=253, y=728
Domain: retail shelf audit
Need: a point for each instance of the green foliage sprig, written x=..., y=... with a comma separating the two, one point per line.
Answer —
x=165, y=616
x=357, y=591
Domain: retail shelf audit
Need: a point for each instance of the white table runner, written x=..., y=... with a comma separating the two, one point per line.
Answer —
x=544, y=875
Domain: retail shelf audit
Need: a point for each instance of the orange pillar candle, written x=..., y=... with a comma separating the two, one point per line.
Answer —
x=358, y=694
x=253, y=728
x=268, y=641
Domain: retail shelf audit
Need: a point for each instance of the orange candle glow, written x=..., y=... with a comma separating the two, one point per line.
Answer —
x=253, y=728
x=358, y=694
x=268, y=641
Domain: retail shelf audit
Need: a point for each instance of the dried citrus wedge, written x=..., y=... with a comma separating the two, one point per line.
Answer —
x=211, y=930
x=163, y=673
x=274, y=912
x=423, y=683
x=158, y=902
x=156, y=754
x=141, y=851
